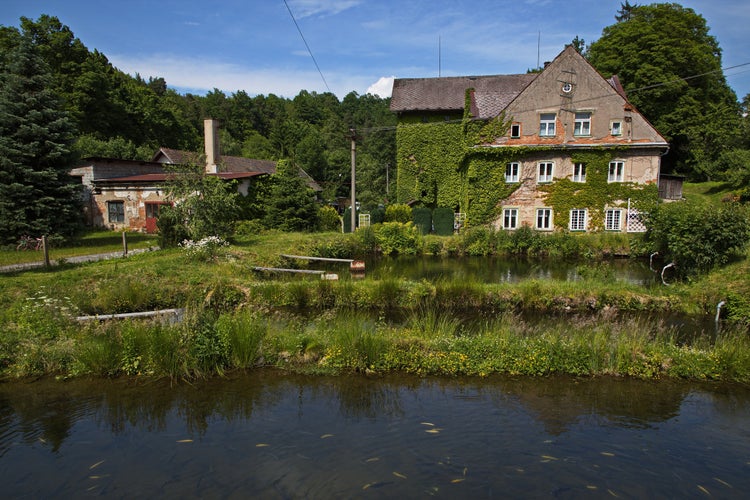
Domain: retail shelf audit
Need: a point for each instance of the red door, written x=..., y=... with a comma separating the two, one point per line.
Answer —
x=152, y=215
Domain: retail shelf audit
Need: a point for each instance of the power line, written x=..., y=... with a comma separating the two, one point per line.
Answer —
x=308, y=47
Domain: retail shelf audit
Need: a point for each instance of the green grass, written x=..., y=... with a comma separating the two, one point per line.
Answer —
x=709, y=193
x=90, y=243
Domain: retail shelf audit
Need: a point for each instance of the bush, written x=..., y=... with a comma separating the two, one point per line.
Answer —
x=328, y=219
x=422, y=219
x=398, y=212
x=442, y=219
x=697, y=237
x=377, y=215
x=397, y=238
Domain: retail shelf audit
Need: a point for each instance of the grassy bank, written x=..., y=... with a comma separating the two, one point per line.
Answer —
x=238, y=319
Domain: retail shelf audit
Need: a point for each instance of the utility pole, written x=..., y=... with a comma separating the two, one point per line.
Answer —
x=354, y=195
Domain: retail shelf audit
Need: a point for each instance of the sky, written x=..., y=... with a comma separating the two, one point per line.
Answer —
x=356, y=45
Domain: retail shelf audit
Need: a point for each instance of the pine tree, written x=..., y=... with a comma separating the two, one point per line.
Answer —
x=37, y=195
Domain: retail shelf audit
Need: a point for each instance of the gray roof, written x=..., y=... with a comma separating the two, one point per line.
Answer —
x=491, y=93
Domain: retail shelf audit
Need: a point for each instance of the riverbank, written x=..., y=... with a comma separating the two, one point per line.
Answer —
x=237, y=319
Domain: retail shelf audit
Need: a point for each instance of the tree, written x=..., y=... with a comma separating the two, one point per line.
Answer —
x=291, y=205
x=37, y=196
x=202, y=205
x=671, y=68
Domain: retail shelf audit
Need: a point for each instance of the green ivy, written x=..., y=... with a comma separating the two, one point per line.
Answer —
x=440, y=163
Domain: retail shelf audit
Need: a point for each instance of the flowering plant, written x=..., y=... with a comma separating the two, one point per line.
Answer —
x=206, y=249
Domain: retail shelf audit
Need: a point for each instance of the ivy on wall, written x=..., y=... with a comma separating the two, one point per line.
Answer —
x=596, y=194
x=441, y=164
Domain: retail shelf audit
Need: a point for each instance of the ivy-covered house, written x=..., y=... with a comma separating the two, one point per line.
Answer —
x=559, y=149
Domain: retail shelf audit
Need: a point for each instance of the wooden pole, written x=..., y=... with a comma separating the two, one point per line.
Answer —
x=124, y=244
x=354, y=196
x=45, y=249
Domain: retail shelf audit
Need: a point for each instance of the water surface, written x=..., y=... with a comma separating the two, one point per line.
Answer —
x=268, y=434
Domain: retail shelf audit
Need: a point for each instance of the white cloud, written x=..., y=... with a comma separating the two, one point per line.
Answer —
x=383, y=87
x=307, y=8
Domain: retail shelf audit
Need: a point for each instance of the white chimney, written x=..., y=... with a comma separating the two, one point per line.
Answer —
x=211, y=138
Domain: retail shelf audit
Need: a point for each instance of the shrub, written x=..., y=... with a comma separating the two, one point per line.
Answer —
x=698, y=238
x=442, y=219
x=208, y=249
x=248, y=228
x=328, y=219
x=422, y=219
x=397, y=238
x=399, y=212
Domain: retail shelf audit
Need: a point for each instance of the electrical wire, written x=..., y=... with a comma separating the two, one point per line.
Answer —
x=308, y=47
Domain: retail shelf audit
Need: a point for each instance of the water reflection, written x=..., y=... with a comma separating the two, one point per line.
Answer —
x=271, y=434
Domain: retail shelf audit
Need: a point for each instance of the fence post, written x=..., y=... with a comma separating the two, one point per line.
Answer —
x=124, y=244
x=45, y=249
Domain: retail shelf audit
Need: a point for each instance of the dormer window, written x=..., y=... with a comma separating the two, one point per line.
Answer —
x=547, y=124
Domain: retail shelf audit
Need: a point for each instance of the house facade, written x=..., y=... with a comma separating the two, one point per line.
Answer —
x=559, y=149
x=127, y=194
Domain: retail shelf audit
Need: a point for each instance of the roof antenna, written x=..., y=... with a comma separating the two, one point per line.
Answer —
x=538, y=43
x=440, y=56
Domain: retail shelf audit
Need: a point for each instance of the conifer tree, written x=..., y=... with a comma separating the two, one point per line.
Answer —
x=37, y=194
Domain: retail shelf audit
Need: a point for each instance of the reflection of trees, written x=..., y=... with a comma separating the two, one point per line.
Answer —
x=559, y=402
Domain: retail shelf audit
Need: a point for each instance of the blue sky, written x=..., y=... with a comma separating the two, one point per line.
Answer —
x=359, y=45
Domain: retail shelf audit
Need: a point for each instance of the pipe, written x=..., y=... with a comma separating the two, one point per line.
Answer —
x=651, y=262
x=671, y=264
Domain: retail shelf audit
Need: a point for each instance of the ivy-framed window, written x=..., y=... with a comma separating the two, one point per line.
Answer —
x=616, y=171
x=544, y=219
x=547, y=124
x=515, y=130
x=578, y=219
x=615, y=128
x=510, y=218
x=613, y=219
x=582, y=124
x=512, y=172
x=116, y=211
x=579, y=172
x=544, y=171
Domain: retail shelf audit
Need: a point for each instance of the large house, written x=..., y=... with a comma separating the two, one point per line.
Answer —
x=559, y=149
x=127, y=194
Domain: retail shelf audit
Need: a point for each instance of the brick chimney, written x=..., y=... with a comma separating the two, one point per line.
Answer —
x=211, y=138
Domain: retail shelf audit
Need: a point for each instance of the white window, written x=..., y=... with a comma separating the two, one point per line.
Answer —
x=515, y=130
x=582, y=124
x=616, y=128
x=579, y=172
x=616, y=171
x=547, y=124
x=545, y=171
x=510, y=218
x=544, y=218
x=613, y=220
x=116, y=211
x=578, y=220
x=512, y=171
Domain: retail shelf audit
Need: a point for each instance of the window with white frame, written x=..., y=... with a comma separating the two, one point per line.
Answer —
x=116, y=211
x=613, y=219
x=578, y=219
x=616, y=128
x=545, y=171
x=547, y=124
x=544, y=219
x=616, y=171
x=512, y=172
x=510, y=218
x=582, y=124
x=515, y=130
x=579, y=172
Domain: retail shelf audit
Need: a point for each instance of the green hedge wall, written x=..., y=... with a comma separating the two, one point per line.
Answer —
x=442, y=220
